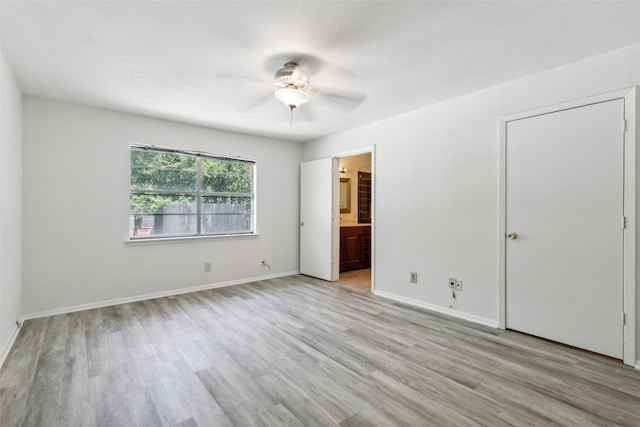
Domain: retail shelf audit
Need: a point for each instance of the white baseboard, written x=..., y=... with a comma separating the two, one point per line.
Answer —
x=10, y=341
x=637, y=364
x=107, y=303
x=439, y=309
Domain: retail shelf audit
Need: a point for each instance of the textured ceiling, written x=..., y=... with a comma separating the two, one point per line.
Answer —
x=211, y=63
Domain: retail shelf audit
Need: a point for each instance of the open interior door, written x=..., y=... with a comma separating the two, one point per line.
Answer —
x=319, y=213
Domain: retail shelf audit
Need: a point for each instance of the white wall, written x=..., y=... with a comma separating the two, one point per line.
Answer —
x=437, y=181
x=76, y=203
x=11, y=307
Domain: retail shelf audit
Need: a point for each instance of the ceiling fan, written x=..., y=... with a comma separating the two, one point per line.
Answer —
x=293, y=89
x=293, y=82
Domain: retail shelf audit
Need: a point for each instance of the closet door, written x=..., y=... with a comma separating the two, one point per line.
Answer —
x=564, y=214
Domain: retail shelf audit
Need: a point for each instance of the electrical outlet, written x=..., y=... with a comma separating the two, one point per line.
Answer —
x=207, y=266
x=413, y=277
x=459, y=285
x=452, y=282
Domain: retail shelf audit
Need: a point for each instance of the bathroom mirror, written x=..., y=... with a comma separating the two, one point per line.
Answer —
x=345, y=195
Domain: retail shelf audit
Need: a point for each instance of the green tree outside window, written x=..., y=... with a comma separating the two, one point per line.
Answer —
x=177, y=193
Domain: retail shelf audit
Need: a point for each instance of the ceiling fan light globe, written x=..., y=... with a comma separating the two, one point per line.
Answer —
x=292, y=98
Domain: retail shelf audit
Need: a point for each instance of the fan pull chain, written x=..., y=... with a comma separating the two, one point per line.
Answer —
x=291, y=117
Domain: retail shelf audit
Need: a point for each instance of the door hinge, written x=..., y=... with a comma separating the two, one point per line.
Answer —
x=624, y=222
x=624, y=125
x=624, y=318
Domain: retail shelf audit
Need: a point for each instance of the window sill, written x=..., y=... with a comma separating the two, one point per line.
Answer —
x=186, y=239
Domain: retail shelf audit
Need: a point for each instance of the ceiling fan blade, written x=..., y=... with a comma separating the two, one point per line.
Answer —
x=241, y=78
x=258, y=102
x=305, y=112
x=345, y=100
x=337, y=94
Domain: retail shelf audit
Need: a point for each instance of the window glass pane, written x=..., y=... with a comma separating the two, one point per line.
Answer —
x=163, y=215
x=161, y=171
x=222, y=215
x=175, y=193
x=226, y=176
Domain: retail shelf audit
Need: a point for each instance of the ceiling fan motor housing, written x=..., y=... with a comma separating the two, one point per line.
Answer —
x=291, y=76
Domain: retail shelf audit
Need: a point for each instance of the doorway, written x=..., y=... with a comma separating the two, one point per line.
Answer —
x=567, y=256
x=356, y=208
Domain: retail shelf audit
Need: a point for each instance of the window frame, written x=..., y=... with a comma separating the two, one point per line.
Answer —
x=199, y=195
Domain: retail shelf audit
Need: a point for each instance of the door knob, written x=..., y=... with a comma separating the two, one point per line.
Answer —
x=301, y=223
x=512, y=236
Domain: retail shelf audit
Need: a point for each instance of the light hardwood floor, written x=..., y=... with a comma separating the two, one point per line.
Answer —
x=299, y=351
x=360, y=278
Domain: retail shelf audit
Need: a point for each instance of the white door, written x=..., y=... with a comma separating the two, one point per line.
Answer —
x=564, y=199
x=318, y=212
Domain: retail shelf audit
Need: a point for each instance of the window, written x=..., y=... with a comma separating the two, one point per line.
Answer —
x=178, y=193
